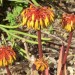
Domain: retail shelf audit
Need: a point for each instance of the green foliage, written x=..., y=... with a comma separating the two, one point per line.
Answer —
x=35, y=2
x=51, y=30
x=21, y=51
x=21, y=1
x=20, y=35
x=11, y=16
x=1, y=1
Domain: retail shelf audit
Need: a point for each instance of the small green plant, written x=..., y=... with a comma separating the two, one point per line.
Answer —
x=12, y=16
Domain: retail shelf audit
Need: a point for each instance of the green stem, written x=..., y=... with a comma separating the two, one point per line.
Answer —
x=35, y=2
x=6, y=26
x=29, y=41
x=26, y=34
x=16, y=36
x=23, y=33
x=3, y=40
x=18, y=0
x=23, y=52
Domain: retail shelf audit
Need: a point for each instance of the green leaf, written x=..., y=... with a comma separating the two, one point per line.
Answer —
x=1, y=2
x=30, y=35
x=17, y=10
x=11, y=16
x=51, y=29
x=21, y=1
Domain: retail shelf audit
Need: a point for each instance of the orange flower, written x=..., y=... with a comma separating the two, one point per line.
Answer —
x=41, y=64
x=37, y=17
x=68, y=22
x=7, y=55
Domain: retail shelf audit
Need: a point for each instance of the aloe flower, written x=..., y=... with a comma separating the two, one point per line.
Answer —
x=37, y=17
x=7, y=55
x=68, y=22
x=41, y=64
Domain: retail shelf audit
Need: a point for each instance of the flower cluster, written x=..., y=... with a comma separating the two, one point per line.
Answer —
x=41, y=64
x=68, y=22
x=7, y=55
x=37, y=17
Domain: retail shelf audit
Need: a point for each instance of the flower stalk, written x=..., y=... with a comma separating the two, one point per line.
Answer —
x=40, y=44
x=68, y=46
x=40, y=47
x=60, y=60
x=8, y=71
x=66, y=53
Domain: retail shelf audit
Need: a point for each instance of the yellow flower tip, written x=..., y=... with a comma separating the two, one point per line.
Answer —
x=0, y=62
x=28, y=24
x=41, y=23
x=52, y=18
x=68, y=28
x=24, y=20
x=36, y=25
x=4, y=61
x=40, y=64
x=42, y=68
x=22, y=14
x=33, y=17
x=46, y=20
x=10, y=60
x=7, y=55
x=14, y=57
x=32, y=24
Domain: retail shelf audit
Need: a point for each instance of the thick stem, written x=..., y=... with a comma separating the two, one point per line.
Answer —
x=40, y=44
x=60, y=60
x=66, y=52
x=47, y=72
x=68, y=46
x=40, y=47
x=8, y=71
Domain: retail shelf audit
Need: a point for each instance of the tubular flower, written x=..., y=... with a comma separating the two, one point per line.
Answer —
x=7, y=55
x=37, y=17
x=41, y=64
x=68, y=22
